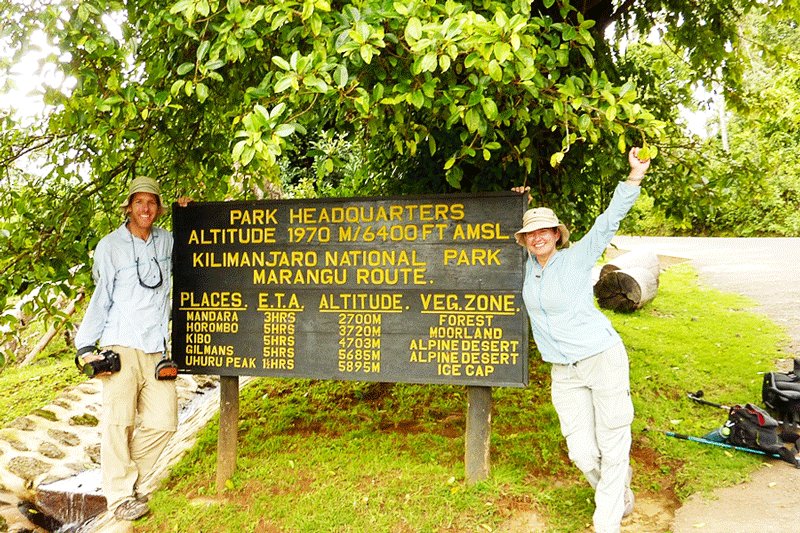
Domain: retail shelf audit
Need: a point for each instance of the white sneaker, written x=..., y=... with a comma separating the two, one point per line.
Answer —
x=131, y=509
x=629, y=501
x=629, y=497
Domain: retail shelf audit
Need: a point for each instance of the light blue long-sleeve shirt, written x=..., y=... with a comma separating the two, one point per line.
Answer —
x=566, y=324
x=121, y=311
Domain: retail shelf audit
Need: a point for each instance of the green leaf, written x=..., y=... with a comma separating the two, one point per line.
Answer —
x=238, y=148
x=417, y=98
x=315, y=22
x=284, y=130
x=472, y=59
x=261, y=116
x=277, y=110
x=176, y=87
x=247, y=155
x=556, y=159
x=215, y=64
x=413, y=29
x=203, y=7
x=429, y=62
x=647, y=152
x=495, y=70
x=202, y=50
x=183, y=68
x=489, y=108
x=281, y=62
x=340, y=76
x=587, y=56
x=502, y=51
x=201, y=89
x=284, y=83
x=402, y=7
x=180, y=6
x=366, y=51
x=472, y=120
x=312, y=82
x=454, y=176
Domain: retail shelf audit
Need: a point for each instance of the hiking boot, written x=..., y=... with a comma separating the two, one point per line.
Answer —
x=131, y=510
x=629, y=497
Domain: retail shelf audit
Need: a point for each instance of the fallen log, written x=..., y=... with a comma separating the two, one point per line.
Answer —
x=628, y=282
x=633, y=259
x=626, y=290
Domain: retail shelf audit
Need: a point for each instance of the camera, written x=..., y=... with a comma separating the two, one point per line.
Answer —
x=108, y=363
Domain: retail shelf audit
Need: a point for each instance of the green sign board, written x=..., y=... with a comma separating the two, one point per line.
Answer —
x=423, y=289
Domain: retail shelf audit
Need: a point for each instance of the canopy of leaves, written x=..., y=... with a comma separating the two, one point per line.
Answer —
x=237, y=98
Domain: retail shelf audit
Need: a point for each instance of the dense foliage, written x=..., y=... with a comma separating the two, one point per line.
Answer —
x=365, y=97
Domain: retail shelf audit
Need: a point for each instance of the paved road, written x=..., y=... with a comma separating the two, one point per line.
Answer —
x=768, y=271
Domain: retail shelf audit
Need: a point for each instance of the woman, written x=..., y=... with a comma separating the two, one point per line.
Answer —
x=590, y=380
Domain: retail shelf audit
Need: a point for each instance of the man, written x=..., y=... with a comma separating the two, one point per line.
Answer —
x=128, y=313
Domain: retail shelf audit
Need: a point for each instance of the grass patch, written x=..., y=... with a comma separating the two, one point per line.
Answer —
x=341, y=456
x=30, y=387
x=363, y=457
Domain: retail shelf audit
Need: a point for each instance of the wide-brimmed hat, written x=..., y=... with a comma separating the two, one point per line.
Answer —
x=539, y=218
x=144, y=184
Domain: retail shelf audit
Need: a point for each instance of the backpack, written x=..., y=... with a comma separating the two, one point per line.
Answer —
x=780, y=392
x=752, y=427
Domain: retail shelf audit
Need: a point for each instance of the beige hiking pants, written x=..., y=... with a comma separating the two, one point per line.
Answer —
x=593, y=401
x=128, y=452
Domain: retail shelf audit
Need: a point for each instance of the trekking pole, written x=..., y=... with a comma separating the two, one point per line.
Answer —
x=702, y=440
x=698, y=397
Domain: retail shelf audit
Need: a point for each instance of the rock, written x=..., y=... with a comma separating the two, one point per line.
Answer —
x=84, y=420
x=23, y=423
x=93, y=453
x=27, y=468
x=51, y=451
x=46, y=414
x=64, y=437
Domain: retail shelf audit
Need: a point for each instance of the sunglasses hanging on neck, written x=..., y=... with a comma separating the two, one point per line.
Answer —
x=139, y=275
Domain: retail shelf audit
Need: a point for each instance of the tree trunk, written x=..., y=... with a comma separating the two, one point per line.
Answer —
x=628, y=282
x=51, y=333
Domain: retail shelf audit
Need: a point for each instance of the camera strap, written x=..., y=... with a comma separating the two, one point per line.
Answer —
x=81, y=352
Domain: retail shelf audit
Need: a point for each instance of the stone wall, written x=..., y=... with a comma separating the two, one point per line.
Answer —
x=62, y=440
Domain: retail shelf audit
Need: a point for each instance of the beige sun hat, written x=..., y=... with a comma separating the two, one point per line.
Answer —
x=144, y=184
x=539, y=218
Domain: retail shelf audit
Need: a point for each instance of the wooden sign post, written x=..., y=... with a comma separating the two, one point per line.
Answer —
x=411, y=289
